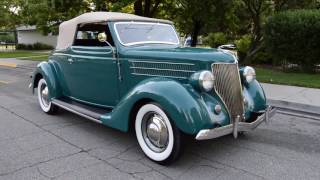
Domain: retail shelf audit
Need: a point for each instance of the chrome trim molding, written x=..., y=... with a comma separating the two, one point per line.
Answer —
x=159, y=62
x=236, y=127
x=76, y=112
x=140, y=74
x=159, y=69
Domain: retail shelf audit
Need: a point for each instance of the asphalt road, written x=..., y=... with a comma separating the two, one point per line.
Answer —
x=34, y=145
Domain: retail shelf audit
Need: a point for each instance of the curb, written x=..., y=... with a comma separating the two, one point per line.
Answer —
x=15, y=65
x=8, y=64
x=297, y=109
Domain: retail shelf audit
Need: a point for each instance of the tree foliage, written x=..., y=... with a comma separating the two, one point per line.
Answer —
x=47, y=15
x=232, y=19
x=195, y=17
x=9, y=19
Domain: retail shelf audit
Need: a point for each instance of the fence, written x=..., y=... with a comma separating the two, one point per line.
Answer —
x=8, y=40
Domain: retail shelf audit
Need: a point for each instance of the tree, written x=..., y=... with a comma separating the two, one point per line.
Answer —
x=8, y=14
x=199, y=17
x=47, y=15
x=146, y=8
x=100, y=5
x=281, y=5
x=257, y=10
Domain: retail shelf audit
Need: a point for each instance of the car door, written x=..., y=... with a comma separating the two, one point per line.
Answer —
x=91, y=72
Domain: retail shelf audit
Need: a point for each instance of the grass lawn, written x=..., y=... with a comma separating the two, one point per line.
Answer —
x=25, y=55
x=295, y=79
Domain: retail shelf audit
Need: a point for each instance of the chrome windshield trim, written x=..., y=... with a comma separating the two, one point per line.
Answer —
x=145, y=42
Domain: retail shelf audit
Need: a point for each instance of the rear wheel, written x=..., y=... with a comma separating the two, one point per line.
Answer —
x=43, y=98
x=158, y=138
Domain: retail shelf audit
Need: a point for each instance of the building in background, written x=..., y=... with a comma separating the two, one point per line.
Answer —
x=29, y=35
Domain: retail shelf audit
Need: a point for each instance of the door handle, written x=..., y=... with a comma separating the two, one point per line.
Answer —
x=70, y=60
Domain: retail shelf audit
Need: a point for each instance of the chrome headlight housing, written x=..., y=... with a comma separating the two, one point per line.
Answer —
x=249, y=74
x=202, y=80
x=206, y=80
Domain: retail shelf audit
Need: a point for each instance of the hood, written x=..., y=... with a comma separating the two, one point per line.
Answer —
x=179, y=54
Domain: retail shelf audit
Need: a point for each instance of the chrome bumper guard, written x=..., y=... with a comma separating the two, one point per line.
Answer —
x=236, y=126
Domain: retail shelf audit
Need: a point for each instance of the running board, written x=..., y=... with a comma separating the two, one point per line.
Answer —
x=80, y=109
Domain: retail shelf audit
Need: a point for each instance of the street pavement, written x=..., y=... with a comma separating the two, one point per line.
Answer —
x=34, y=145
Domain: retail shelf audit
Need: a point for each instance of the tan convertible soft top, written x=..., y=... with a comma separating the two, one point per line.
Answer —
x=67, y=29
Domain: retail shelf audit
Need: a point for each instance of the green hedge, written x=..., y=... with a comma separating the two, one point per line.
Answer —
x=36, y=46
x=215, y=39
x=294, y=37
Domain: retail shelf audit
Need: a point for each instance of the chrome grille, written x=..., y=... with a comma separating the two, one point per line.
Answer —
x=162, y=69
x=228, y=86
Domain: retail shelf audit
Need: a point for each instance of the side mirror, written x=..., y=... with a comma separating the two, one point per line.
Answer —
x=102, y=37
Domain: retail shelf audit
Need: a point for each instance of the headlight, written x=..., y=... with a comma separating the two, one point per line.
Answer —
x=206, y=80
x=249, y=74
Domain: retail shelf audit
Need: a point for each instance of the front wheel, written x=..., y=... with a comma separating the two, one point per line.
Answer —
x=43, y=98
x=158, y=138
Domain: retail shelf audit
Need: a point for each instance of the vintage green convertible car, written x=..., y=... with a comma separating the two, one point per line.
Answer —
x=127, y=71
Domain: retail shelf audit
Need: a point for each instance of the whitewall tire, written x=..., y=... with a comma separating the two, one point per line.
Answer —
x=43, y=98
x=157, y=136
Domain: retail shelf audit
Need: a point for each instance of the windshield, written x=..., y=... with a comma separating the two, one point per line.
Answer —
x=132, y=33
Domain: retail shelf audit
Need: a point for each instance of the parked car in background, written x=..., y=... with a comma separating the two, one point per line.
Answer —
x=127, y=71
x=187, y=42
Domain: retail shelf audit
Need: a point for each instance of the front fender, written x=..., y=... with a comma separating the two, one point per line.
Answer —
x=255, y=96
x=185, y=107
x=47, y=71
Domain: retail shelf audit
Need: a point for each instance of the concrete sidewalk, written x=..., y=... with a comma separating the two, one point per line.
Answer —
x=294, y=94
x=293, y=97
x=304, y=99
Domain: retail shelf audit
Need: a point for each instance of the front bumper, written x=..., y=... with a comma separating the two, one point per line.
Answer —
x=235, y=127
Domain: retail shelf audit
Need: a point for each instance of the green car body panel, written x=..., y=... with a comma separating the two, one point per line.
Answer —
x=93, y=78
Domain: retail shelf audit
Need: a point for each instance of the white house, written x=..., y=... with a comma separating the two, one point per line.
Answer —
x=30, y=35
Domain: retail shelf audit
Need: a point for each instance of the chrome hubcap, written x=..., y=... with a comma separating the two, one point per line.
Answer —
x=44, y=95
x=155, y=132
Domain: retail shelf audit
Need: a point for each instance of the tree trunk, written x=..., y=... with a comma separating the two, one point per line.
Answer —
x=138, y=8
x=195, y=33
x=147, y=7
x=256, y=41
x=154, y=8
x=100, y=5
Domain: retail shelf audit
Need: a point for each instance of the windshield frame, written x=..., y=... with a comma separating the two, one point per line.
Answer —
x=145, y=42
